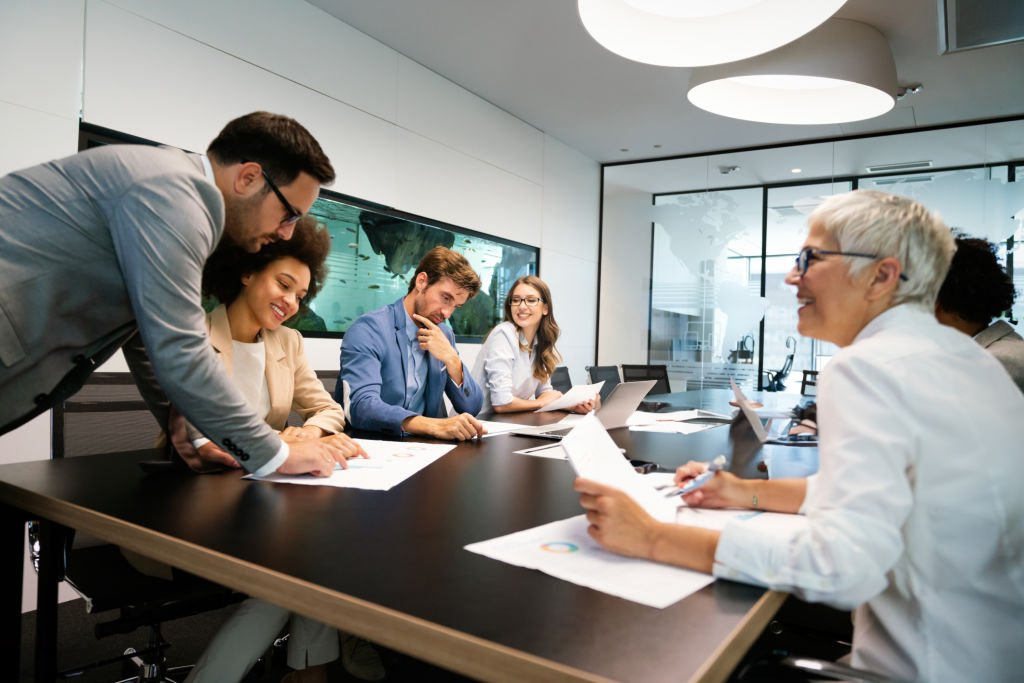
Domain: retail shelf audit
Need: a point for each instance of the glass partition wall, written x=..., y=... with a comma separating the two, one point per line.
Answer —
x=726, y=228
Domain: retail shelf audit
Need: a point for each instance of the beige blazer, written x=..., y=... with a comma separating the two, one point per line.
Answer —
x=292, y=383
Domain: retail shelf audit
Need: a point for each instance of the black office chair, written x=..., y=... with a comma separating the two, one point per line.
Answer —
x=609, y=374
x=810, y=379
x=775, y=379
x=659, y=373
x=560, y=379
x=108, y=415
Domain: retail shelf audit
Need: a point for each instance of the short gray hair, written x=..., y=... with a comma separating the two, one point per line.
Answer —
x=873, y=222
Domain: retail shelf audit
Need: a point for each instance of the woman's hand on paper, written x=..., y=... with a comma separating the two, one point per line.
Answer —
x=584, y=408
x=616, y=521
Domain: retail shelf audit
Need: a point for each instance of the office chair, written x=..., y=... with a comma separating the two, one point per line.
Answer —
x=659, y=373
x=776, y=378
x=810, y=379
x=609, y=374
x=560, y=379
x=109, y=415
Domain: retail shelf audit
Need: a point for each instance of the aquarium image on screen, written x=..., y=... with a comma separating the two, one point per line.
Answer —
x=374, y=253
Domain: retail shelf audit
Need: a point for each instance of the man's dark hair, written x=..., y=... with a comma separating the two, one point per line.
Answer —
x=277, y=143
x=310, y=244
x=441, y=262
x=976, y=288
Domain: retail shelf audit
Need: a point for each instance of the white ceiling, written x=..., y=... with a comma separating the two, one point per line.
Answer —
x=533, y=59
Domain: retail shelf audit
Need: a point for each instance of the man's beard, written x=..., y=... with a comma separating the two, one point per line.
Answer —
x=241, y=216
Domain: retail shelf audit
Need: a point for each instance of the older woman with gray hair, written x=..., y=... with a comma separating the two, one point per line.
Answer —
x=915, y=517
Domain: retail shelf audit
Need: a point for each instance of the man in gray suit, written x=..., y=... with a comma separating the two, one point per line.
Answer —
x=106, y=248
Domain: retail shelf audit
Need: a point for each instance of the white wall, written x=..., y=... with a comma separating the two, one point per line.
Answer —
x=397, y=133
x=625, y=275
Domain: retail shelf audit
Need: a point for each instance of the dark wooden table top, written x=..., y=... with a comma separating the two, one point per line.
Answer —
x=391, y=566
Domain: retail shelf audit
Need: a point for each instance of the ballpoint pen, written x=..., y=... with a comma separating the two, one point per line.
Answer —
x=701, y=479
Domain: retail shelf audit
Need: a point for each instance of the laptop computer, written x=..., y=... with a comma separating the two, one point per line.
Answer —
x=613, y=413
x=758, y=430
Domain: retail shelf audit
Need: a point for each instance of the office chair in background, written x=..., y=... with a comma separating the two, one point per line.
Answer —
x=108, y=415
x=560, y=379
x=809, y=381
x=777, y=377
x=609, y=374
x=659, y=373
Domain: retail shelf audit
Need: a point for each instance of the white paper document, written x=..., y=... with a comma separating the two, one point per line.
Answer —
x=564, y=550
x=548, y=450
x=494, y=428
x=580, y=393
x=672, y=427
x=390, y=463
x=595, y=456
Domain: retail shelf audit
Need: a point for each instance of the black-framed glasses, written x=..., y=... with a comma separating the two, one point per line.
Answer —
x=293, y=214
x=530, y=301
x=808, y=254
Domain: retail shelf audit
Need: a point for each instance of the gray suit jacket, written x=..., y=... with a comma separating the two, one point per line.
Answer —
x=1003, y=342
x=91, y=245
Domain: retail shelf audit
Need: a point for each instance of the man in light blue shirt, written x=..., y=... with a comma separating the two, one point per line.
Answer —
x=400, y=360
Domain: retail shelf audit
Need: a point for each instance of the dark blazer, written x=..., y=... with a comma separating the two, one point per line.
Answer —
x=373, y=366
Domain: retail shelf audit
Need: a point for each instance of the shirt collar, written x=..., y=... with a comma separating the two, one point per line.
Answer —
x=207, y=167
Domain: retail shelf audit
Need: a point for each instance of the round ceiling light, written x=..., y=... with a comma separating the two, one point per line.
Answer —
x=698, y=32
x=842, y=71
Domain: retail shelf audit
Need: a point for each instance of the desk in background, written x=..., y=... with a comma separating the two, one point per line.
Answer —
x=390, y=566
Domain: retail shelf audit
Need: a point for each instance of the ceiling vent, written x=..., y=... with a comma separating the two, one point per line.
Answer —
x=970, y=24
x=901, y=166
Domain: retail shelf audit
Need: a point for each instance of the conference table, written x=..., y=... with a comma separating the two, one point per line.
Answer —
x=391, y=566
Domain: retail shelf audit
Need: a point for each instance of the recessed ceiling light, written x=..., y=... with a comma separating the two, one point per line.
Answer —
x=796, y=170
x=623, y=149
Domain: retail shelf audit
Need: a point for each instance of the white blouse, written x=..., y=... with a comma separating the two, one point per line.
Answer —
x=504, y=370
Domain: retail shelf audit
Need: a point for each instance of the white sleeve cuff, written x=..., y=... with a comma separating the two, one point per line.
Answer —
x=198, y=443
x=275, y=462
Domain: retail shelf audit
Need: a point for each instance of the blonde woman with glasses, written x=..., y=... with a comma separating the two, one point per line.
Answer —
x=516, y=362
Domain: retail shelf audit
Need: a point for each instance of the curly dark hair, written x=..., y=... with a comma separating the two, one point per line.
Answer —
x=310, y=244
x=281, y=145
x=976, y=288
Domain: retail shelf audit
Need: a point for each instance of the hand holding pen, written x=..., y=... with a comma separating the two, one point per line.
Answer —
x=696, y=481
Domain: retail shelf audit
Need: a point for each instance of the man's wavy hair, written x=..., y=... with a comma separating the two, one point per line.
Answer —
x=228, y=264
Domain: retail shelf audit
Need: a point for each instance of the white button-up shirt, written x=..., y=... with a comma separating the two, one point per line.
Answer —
x=504, y=370
x=916, y=516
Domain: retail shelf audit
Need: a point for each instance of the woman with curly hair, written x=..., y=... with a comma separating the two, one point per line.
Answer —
x=258, y=293
x=517, y=359
x=977, y=289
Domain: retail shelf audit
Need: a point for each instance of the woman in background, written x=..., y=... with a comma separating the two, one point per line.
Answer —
x=517, y=359
x=267, y=362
